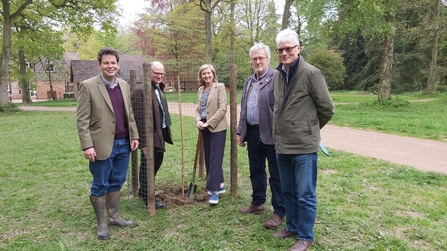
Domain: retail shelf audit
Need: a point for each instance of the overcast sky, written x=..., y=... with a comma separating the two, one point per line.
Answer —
x=133, y=7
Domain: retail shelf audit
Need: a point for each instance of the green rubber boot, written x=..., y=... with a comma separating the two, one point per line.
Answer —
x=113, y=208
x=99, y=204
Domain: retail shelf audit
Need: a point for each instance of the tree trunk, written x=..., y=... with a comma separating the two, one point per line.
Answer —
x=208, y=32
x=6, y=46
x=6, y=53
x=286, y=14
x=51, y=82
x=24, y=83
x=431, y=88
x=386, y=62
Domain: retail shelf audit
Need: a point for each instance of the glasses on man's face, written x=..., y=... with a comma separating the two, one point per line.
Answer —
x=161, y=74
x=287, y=49
x=258, y=59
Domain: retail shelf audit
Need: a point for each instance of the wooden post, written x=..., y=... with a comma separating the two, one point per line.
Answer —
x=149, y=140
x=233, y=106
x=233, y=126
x=134, y=154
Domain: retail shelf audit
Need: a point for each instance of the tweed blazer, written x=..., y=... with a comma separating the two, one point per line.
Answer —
x=266, y=102
x=95, y=117
x=138, y=98
x=216, y=107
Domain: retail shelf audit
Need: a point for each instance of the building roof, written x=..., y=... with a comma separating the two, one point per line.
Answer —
x=85, y=69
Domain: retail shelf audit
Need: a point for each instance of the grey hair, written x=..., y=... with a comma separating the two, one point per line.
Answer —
x=286, y=36
x=259, y=46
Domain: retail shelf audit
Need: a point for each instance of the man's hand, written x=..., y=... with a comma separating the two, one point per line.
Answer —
x=90, y=154
x=239, y=141
x=134, y=144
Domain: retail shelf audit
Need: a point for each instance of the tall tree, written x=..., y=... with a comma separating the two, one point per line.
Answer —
x=8, y=17
x=208, y=6
x=286, y=14
x=376, y=19
x=171, y=33
x=79, y=15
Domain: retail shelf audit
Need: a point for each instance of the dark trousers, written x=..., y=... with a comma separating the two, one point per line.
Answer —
x=158, y=159
x=258, y=153
x=214, y=147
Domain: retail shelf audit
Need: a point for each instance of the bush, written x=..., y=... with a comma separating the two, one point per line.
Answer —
x=441, y=89
x=331, y=64
x=9, y=108
x=386, y=103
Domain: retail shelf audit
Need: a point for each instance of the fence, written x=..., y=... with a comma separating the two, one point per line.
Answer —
x=178, y=81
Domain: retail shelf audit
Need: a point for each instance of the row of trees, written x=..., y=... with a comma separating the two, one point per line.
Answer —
x=372, y=45
x=32, y=30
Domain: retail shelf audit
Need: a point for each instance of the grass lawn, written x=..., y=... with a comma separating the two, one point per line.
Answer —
x=364, y=204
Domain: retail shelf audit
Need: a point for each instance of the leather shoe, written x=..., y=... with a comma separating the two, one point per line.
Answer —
x=159, y=205
x=284, y=234
x=273, y=222
x=301, y=245
x=253, y=209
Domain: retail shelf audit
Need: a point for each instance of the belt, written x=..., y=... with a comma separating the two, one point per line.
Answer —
x=255, y=126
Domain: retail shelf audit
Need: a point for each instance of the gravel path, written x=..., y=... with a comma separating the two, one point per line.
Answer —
x=425, y=155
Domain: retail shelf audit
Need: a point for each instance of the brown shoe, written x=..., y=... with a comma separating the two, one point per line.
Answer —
x=273, y=222
x=253, y=209
x=284, y=234
x=301, y=245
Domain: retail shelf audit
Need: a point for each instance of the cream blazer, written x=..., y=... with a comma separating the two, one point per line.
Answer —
x=216, y=107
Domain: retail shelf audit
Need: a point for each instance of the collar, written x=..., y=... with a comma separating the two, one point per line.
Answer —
x=108, y=84
x=261, y=77
x=292, y=67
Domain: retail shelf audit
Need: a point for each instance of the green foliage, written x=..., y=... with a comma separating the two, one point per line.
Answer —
x=9, y=108
x=441, y=89
x=331, y=63
x=386, y=104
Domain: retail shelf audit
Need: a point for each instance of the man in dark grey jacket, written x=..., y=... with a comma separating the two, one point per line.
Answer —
x=255, y=128
x=302, y=107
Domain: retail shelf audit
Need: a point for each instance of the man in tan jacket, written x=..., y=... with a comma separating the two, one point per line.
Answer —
x=107, y=132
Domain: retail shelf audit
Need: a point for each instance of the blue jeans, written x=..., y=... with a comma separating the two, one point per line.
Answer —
x=109, y=175
x=298, y=174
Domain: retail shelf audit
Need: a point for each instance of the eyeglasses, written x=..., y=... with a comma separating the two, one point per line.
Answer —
x=288, y=49
x=258, y=58
x=161, y=74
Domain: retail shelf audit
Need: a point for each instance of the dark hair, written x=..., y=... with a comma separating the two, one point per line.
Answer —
x=108, y=51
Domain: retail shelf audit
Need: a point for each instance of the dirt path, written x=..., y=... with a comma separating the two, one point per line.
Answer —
x=425, y=155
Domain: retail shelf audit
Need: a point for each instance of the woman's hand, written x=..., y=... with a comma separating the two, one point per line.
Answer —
x=201, y=125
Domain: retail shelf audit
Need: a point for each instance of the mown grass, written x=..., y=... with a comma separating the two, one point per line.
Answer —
x=426, y=119
x=364, y=204
x=412, y=114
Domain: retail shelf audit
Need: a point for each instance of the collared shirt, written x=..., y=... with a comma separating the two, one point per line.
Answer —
x=157, y=92
x=107, y=83
x=252, y=100
x=287, y=74
x=203, y=101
